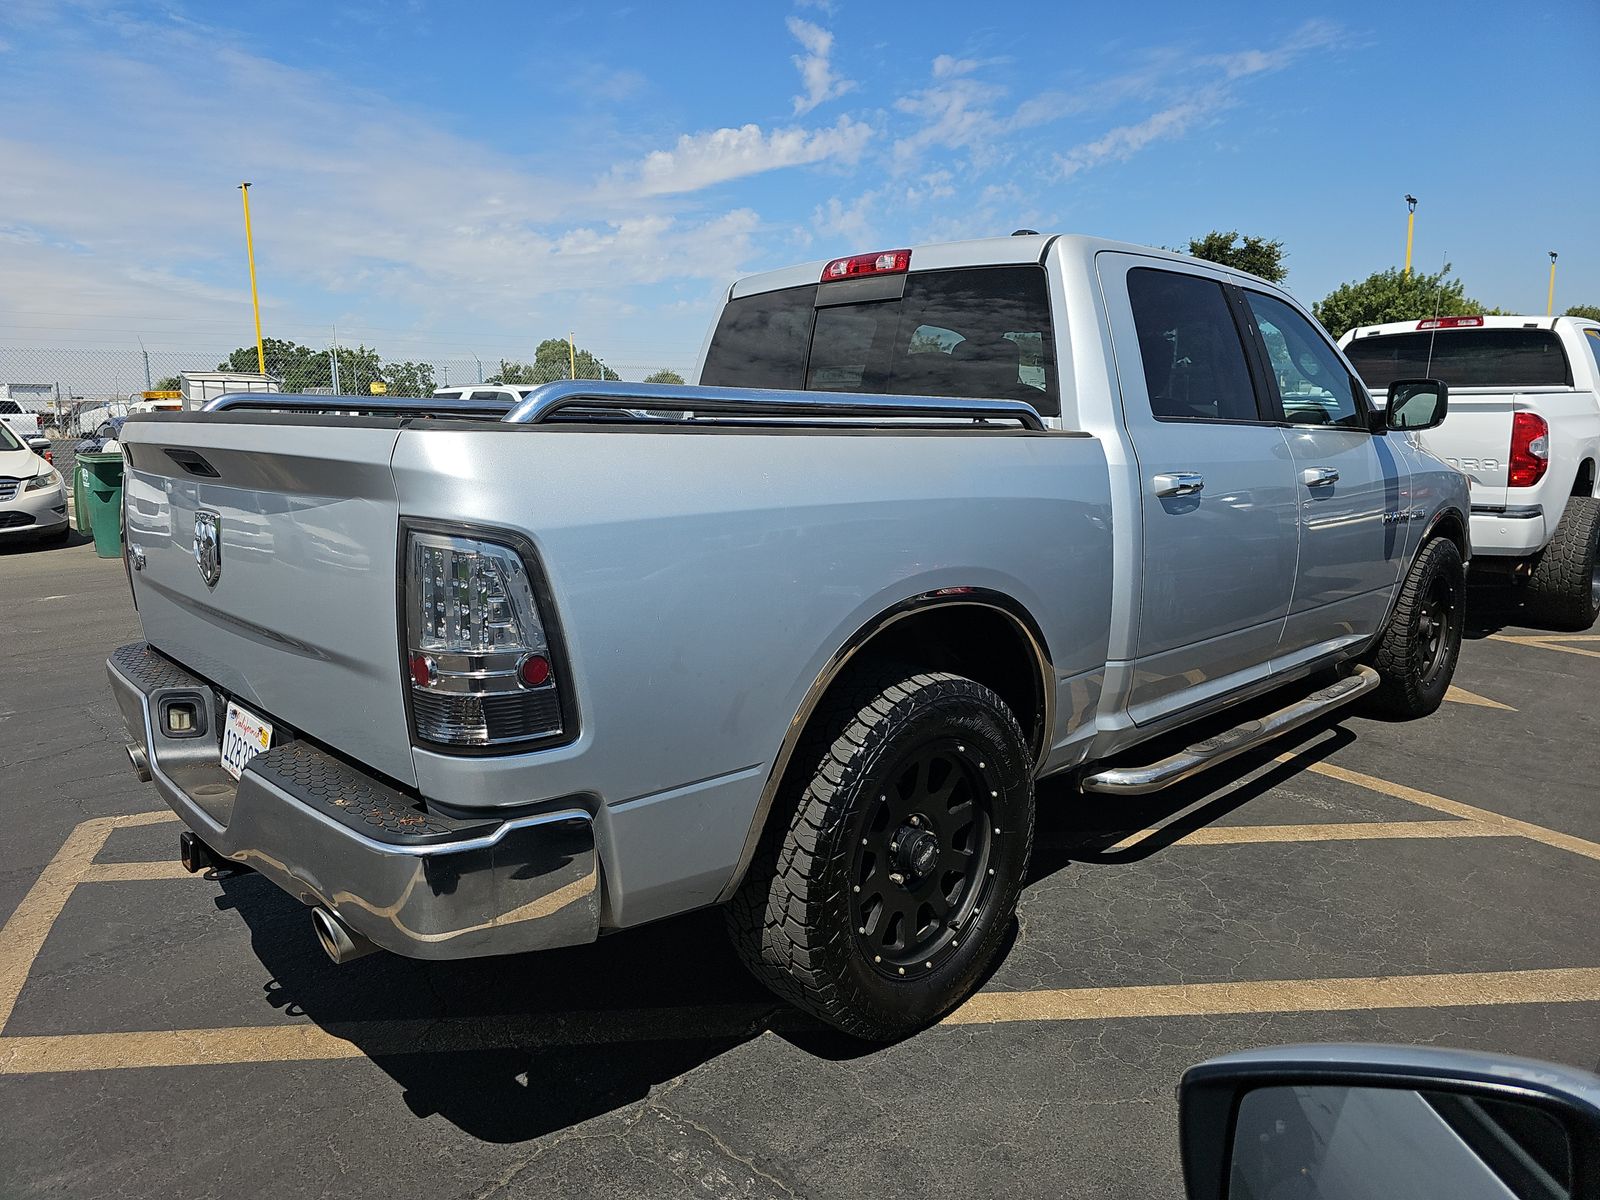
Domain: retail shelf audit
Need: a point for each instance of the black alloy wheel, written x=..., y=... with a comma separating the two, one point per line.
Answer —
x=885, y=887
x=921, y=864
x=1436, y=626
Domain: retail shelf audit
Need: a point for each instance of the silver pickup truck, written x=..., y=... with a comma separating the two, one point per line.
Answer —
x=799, y=640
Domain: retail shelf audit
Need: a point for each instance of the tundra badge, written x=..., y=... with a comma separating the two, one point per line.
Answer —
x=208, y=546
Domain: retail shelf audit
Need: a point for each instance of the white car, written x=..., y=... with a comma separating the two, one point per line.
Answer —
x=33, y=501
x=1524, y=427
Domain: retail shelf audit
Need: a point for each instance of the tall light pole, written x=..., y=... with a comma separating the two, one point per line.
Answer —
x=1411, y=225
x=1550, y=300
x=255, y=300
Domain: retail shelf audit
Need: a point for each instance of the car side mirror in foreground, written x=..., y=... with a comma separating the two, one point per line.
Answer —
x=1364, y=1122
x=1416, y=404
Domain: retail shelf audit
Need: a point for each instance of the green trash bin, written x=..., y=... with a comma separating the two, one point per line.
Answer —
x=80, y=497
x=102, y=496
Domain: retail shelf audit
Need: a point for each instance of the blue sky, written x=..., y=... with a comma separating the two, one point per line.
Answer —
x=441, y=179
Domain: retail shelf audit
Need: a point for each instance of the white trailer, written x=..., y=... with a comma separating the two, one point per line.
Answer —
x=201, y=387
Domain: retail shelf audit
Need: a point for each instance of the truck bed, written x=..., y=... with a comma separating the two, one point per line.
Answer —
x=702, y=573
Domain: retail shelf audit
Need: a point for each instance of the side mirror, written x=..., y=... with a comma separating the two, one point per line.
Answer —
x=1416, y=404
x=1371, y=1122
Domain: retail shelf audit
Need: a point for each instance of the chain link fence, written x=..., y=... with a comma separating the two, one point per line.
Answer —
x=75, y=390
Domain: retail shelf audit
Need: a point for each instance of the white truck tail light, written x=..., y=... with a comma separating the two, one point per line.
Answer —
x=480, y=668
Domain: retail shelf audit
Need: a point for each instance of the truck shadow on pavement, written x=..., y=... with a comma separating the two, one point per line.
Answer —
x=592, y=1029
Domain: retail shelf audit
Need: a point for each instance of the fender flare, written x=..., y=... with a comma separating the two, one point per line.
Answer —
x=948, y=597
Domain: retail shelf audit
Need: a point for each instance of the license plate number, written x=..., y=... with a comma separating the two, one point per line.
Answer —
x=244, y=735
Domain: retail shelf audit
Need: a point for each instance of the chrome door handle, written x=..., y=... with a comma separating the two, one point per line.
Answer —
x=1319, y=476
x=1179, y=483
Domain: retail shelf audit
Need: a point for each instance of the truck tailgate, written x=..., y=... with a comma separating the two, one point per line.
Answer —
x=299, y=624
x=1476, y=439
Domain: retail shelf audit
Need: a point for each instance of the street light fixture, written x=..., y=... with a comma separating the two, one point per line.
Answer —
x=1411, y=225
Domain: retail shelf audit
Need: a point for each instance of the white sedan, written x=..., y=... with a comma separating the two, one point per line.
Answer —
x=33, y=502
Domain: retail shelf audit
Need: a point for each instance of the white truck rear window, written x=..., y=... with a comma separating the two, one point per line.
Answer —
x=1463, y=358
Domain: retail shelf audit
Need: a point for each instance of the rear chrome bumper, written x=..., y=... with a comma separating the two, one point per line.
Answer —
x=417, y=883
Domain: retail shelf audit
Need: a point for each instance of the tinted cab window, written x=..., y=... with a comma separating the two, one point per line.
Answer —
x=977, y=333
x=1189, y=344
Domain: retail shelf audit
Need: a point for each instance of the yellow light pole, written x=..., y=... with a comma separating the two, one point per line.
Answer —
x=1411, y=226
x=572, y=357
x=1550, y=300
x=255, y=300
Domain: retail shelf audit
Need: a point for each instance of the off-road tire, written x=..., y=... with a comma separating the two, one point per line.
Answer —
x=1415, y=672
x=793, y=920
x=1561, y=592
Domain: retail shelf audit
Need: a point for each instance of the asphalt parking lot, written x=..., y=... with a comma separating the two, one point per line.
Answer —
x=163, y=1034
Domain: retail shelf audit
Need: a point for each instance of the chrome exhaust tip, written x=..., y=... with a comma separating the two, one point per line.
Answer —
x=338, y=941
x=141, y=763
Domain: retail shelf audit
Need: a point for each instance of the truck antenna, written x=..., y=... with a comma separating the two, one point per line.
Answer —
x=1438, y=294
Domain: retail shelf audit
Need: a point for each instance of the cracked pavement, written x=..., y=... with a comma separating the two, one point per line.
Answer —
x=649, y=1064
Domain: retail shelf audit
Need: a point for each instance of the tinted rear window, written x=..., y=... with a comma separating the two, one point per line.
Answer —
x=1503, y=358
x=979, y=333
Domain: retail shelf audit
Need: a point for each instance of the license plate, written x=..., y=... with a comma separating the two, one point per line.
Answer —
x=244, y=735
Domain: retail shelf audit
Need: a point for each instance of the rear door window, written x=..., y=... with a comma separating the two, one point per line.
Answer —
x=1190, y=347
x=976, y=333
x=1501, y=358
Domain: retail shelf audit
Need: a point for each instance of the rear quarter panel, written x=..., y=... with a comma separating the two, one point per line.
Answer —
x=704, y=578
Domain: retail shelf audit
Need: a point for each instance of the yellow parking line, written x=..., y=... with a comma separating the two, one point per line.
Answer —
x=308, y=1043
x=1510, y=825
x=1352, y=831
x=1558, y=986
x=26, y=929
x=134, y=872
x=1546, y=643
x=1457, y=695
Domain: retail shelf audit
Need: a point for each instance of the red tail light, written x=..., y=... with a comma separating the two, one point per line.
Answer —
x=884, y=262
x=1530, y=449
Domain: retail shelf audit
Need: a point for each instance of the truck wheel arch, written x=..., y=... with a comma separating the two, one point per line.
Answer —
x=981, y=633
x=1583, y=483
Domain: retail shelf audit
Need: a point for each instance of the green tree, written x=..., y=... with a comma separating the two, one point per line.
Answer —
x=1393, y=295
x=168, y=383
x=409, y=378
x=1259, y=256
x=1589, y=311
x=665, y=375
x=551, y=361
x=301, y=367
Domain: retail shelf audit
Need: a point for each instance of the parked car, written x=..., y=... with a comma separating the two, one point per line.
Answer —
x=33, y=503
x=1525, y=428
x=1002, y=509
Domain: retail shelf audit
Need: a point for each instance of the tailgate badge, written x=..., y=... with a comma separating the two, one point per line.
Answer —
x=208, y=546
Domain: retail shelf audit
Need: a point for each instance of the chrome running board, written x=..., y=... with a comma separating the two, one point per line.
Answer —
x=1137, y=781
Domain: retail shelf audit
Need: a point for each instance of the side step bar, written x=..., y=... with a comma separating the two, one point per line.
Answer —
x=1138, y=781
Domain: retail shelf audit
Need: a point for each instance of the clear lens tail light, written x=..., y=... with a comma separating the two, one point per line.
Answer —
x=478, y=659
x=1530, y=449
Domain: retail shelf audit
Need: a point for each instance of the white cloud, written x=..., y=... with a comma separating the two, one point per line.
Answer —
x=948, y=67
x=1194, y=102
x=821, y=81
x=701, y=160
x=1123, y=142
x=848, y=225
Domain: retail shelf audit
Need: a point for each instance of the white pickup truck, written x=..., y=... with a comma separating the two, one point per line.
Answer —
x=24, y=424
x=1524, y=426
